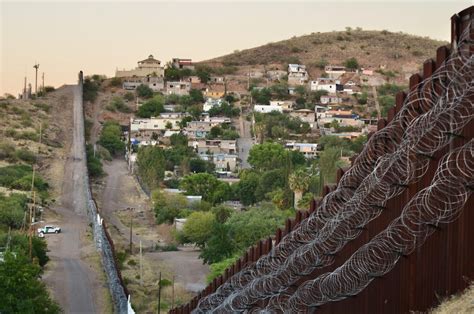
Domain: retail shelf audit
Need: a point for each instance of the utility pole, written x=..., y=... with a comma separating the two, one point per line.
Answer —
x=131, y=223
x=172, y=294
x=141, y=266
x=159, y=294
x=36, y=66
x=43, y=85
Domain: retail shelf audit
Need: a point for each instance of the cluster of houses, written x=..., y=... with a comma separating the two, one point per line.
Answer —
x=339, y=84
x=151, y=73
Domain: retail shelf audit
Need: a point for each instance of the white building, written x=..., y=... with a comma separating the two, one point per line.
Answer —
x=149, y=66
x=322, y=83
x=309, y=150
x=211, y=103
x=223, y=162
x=267, y=108
x=286, y=105
x=297, y=74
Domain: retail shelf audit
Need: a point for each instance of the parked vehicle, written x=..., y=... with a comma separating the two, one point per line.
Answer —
x=48, y=229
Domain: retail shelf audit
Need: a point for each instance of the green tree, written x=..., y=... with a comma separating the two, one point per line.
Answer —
x=220, y=245
x=299, y=182
x=152, y=108
x=144, y=91
x=249, y=181
x=168, y=206
x=196, y=96
x=248, y=227
x=267, y=156
x=205, y=184
x=21, y=291
x=198, y=227
x=90, y=90
x=352, y=64
x=110, y=138
x=151, y=165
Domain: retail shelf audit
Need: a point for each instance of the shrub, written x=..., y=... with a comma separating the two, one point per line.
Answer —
x=110, y=138
x=45, y=107
x=352, y=63
x=129, y=96
x=144, y=91
x=7, y=152
x=26, y=156
x=116, y=81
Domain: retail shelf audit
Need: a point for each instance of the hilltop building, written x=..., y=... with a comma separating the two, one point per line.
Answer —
x=179, y=63
x=147, y=67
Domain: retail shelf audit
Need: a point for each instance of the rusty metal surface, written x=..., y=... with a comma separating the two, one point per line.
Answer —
x=442, y=266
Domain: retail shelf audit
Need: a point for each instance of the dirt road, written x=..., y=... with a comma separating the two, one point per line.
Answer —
x=74, y=274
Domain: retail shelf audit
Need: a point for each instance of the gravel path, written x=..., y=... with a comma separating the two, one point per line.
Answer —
x=75, y=282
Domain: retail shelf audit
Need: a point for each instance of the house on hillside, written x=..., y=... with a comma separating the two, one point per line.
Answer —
x=330, y=99
x=297, y=74
x=309, y=150
x=211, y=103
x=150, y=131
x=286, y=105
x=323, y=83
x=216, y=80
x=217, y=146
x=223, y=162
x=334, y=71
x=276, y=75
x=149, y=66
x=179, y=63
x=156, y=83
x=178, y=88
x=267, y=108
x=198, y=129
x=305, y=115
x=215, y=91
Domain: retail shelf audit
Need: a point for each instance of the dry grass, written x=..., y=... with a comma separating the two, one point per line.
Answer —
x=397, y=51
x=459, y=303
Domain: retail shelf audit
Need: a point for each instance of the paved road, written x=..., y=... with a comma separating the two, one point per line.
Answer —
x=74, y=283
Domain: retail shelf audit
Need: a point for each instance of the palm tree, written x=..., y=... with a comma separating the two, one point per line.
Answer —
x=299, y=183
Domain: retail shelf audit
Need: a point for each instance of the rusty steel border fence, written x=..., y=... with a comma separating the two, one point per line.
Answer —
x=441, y=267
x=104, y=243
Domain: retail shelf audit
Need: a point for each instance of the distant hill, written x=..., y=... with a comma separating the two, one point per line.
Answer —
x=396, y=51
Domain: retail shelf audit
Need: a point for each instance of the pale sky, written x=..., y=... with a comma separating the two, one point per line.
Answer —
x=97, y=37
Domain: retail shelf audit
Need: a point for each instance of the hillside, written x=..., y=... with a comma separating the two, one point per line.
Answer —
x=396, y=51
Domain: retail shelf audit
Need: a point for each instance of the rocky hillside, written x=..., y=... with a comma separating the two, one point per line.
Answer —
x=398, y=52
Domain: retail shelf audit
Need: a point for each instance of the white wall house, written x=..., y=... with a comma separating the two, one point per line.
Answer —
x=326, y=84
x=297, y=74
x=267, y=108
x=286, y=105
x=309, y=150
x=211, y=103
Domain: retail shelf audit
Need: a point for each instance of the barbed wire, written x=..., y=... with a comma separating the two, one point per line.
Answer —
x=394, y=157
